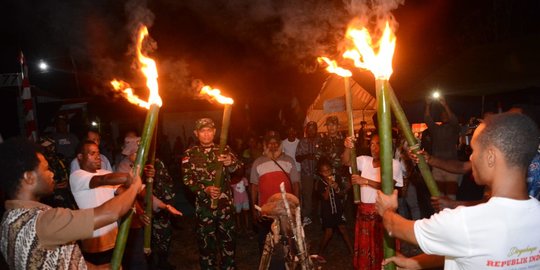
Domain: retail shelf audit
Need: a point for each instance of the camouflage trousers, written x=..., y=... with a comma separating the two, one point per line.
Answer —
x=215, y=233
x=161, y=232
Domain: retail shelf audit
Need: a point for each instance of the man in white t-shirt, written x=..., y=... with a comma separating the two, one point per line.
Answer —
x=94, y=136
x=499, y=234
x=91, y=187
x=290, y=144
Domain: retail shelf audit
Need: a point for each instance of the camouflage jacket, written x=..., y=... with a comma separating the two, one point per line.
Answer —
x=163, y=183
x=199, y=167
x=331, y=148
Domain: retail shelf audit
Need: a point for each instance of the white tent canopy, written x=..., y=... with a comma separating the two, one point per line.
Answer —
x=331, y=101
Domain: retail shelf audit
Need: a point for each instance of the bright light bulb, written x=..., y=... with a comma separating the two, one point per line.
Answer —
x=94, y=123
x=42, y=65
x=436, y=95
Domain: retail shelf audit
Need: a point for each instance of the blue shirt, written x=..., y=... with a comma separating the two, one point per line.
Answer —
x=533, y=177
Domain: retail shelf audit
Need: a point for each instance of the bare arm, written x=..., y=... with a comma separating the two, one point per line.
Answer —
x=394, y=224
x=110, y=179
x=452, y=118
x=115, y=208
x=346, y=155
x=427, y=113
x=422, y=261
x=399, y=227
x=453, y=166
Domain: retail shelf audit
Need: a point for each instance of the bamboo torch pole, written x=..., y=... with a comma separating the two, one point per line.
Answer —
x=385, y=138
x=225, y=123
x=142, y=154
x=350, y=122
x=412, y=142
x=149, y=195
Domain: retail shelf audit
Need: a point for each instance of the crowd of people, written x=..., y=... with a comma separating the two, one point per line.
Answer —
x=491, y=166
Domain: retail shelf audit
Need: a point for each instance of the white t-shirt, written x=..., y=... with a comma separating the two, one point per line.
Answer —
x=86, y=197
x=500, y=234
x=105, y=164
x=365, y=165
x=289, y=148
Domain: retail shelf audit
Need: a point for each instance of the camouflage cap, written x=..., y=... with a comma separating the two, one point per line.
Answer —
x=331, y=120
x=204, y=122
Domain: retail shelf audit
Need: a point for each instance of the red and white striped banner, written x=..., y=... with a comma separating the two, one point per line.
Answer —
x=28, y=103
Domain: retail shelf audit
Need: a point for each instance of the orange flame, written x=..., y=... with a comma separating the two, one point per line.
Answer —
x=334, y=68
x=149, y=69
x=215, y=94
x=128, y=93
x=364, y=56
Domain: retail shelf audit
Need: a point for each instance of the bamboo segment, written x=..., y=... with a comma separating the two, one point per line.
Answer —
x=412, y=142
x=142, y=154
x=350, y=122
x=225, y=123
x=149, y=196
x=385, y=139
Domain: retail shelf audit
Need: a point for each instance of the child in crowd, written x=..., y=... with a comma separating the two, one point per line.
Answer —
x=241, y=203
x=331, y=193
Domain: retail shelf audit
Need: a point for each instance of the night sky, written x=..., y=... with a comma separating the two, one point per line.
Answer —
x=260, y=52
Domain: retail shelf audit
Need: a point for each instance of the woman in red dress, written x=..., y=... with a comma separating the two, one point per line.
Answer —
x=368, y=240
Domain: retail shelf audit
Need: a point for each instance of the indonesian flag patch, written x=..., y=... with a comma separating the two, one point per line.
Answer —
x=185, y=159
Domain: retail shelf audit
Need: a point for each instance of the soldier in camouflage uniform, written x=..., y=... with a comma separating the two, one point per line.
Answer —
x=331, y=147
x=215, y=227
x=161, y=221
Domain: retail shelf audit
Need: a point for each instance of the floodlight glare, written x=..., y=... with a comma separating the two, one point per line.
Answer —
x=43, y=66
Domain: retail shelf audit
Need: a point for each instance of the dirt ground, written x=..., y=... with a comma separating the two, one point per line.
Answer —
x=184, y=251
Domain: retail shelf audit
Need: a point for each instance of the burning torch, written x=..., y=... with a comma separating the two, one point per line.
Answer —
x=149, y=69
x=227, y=102
x=380, y=64
x=346, y=74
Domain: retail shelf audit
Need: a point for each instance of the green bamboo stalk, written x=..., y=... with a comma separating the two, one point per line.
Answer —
x=413, y=143
x=225, y=123
x=149, y=195
x=350, y=122
x=385, y=141
x=121, y=237
x=142, y=154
